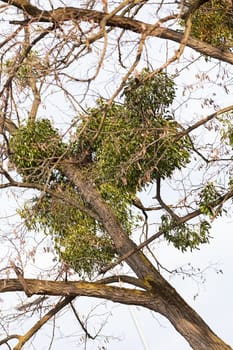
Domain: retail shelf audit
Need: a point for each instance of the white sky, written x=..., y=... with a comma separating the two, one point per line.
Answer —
x=213, y=300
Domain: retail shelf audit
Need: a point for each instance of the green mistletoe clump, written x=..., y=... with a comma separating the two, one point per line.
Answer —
x=121, y=148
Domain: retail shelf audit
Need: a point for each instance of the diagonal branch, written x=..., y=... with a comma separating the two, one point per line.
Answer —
x=63, y=14
x=7, y=125
x=21, y=279
x=81, y=323
x=203, y=121
x=32, y=331
x=178, y=220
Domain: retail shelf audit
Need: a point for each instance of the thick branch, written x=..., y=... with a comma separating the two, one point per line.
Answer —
x=165, y=301
x=72, y=289
x=7, y=125
x=70, y=13
x=32, y=331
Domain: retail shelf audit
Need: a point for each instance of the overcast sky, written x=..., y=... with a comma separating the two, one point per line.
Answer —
x=211, y=297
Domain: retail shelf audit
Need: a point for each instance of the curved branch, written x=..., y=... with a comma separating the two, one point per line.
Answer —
x=73, y=289
x=9, y=337
x=122, y=278
x=63, y=14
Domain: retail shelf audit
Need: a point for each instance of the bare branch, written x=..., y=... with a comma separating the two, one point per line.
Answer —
x=204, y=121
x=81, y=323
x=60, y=15
x=32, y=331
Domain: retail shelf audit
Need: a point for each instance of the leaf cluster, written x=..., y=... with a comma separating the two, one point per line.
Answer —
x=34, y=149
x=213, y=23
x=80, y=241
x=121, y=148
x=226, y=131
x=185, y=236
x=150, y=94
x=208, y=197
x=134, y=143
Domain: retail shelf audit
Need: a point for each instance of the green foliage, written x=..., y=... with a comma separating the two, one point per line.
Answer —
x=135, y=143
x=226, y=130
x=213, y=23
x=185, y=236
x=147, y=95
x=34, y=149
x=28, y=71
x=80, y=241
x=208, y=196
x=121, y=148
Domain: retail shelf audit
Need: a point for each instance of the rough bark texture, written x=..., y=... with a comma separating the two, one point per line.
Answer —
x=168, y=302
x=40, y=287
x=70, y=13
x=158, y=295
x=171, y=305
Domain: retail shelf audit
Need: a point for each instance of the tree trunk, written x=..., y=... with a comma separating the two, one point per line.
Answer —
x=164, y=298
x=186, y=321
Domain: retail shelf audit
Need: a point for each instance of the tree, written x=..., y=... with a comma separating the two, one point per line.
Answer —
x=84, y=167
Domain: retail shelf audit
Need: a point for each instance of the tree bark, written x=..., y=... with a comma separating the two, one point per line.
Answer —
x=158, y=295
x=164, y=297
x=63, y=14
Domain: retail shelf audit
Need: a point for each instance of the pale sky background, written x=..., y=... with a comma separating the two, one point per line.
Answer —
x=211, y=298
x=213, y=302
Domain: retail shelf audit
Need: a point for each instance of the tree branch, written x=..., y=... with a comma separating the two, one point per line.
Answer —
x=32, y=331
x=203, y=121
x=175, y=217
x=63, y=14
x=123, y=278
x=7, y=125
x=21, y=279
x=81, y=323
x=73, y=289
x=193, y=6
